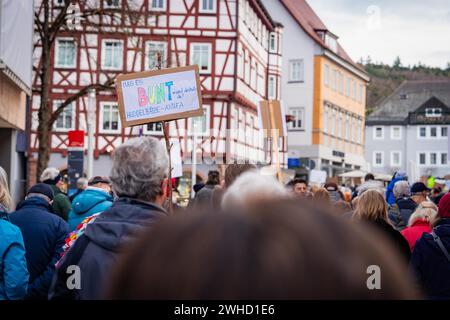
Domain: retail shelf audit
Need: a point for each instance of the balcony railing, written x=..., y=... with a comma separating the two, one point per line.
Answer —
x=423, y=118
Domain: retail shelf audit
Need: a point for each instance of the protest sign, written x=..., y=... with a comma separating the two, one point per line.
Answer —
x=159, y=95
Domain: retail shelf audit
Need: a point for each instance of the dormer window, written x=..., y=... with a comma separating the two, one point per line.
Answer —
x=433, y=112
x=331, y=42
x=403, y=96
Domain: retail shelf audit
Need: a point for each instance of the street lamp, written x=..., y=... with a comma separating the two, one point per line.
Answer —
x=90, y=128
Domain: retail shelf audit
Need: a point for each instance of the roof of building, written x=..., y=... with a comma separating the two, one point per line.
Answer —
x=310, y=23
x=409, y=97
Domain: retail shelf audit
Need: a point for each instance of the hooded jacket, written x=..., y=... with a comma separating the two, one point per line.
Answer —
x=97, y=251
x=61, y=203
x=13, y=265
x=415, y=232
x=390, y=188
x=88, y=203
x=43, y=234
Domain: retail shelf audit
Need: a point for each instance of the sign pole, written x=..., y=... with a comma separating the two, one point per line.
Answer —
x=274, y=135
x=165, y=125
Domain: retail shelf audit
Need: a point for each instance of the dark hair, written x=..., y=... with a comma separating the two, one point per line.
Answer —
x=213, y=178
x=295, y=181
x=235, y=170
x=277, y=250
x=369, y=177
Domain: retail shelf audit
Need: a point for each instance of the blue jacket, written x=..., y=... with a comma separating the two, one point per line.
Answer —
x=44, y=234
x=98, y=250
x=87, y=203
x=429, y=263
x=390, y=190
x=13, y=265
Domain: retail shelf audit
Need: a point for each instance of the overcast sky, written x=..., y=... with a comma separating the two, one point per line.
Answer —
x=415, y=30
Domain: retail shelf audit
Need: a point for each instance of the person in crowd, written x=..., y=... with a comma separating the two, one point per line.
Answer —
x=430, y=259
x=334, y=192
x=273, y=250
x=369, y=184
x=299, y=187
x=322, y=196
x=343, y=208
x=372, y=209
x=398, y=176
x=419, y=192
x=139, y=180
x=404, y=206
x=44, y=234
x=436, y=194
x=204, y=195
x=250, y=188
x=419, y=222
x=61, y=202
x=13, y=264
x=82, y=184
x=95, y=199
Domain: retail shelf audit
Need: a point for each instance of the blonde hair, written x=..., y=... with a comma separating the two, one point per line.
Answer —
x=427, y=210
x=371, y=206
x=5, y=197
x=322, y=194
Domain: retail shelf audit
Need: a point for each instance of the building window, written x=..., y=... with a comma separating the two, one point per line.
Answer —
x=341, y=83
x=200, y=125
x=433, y=132
x=340, y=126
x=378, y=133
x=66, y=119
x=333, y=122
x=325, y=119
x=273, y=43
x=396, y=159
x=354, y=89
x=299, y=115
x=347, y=89
x=361, y=93
x=444, y=131
x=112, y=4
x=347, y=128
x=109, y=117
x=151, y=56
x=326, y=75
x=201, y=55
x=444, y=158
x=422, y=158
x=208, y=6
x=112, y=54
x=157, y=5
x=433, y=158
x=296, y=70
x=433, y=112
x=272, y=87
x=65, y=53
x=396, y=133
x=422, y=132
x=155, y=128
x=403, y=96
x=378, y=160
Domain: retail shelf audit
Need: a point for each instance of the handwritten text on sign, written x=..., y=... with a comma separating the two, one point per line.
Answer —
x=160, y=95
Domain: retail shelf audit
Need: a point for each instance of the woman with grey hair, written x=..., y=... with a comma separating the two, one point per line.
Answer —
x=403, y=207
x=139, y=180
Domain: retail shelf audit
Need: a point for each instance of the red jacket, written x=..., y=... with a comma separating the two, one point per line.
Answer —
x=414, y=232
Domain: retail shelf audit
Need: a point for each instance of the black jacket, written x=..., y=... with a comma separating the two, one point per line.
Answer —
x=429, y=263
x=401, y=211
x=44, y=235
x=97, y=251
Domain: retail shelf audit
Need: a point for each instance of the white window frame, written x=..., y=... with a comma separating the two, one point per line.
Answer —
x=326, y=118
x=108, y=6
x=57, y=65
x=399, y=164
x=273, y=49
x=301, y=71
x=191, y=55
x=419, y=137
x=164, y=56
x=440, y=158
x=341, y=82
x=146, y=131
x=375, y=133
x=207, y=114
x=104, y=41
x=433, y=114
x=334, y=80
x=374, y=159
x=163, y=8
x=293, y=111
x=418, y=158
x=202, y=10
x=438, y=133
x=348, y=85
x=272, y=87
x=72, y=125
x=437, y=158
x=326, y=75
x=100, y=127
x=400, y=131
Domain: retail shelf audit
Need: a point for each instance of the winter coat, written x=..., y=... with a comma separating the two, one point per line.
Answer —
x=390, y=190
x=415, y=232
x=401, y=211
x=43, y=234
x=61, y=203
x=87, y=203
x=97, y=251
x=13, y=265
x=204, y=196
x=429, y=263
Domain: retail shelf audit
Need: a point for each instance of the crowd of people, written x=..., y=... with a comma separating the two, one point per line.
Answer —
x=245, y=235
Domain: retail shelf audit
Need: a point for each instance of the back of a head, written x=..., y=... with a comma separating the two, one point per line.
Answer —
x=322, y=195
x=402, y=189
x=369, y=177
x=50, y=175
x=213, y=178
x=235, y=170
x=427, y=210
x=371, y=206
x=5, y=197
x=139, y=168
x=278, y=250
x=82, y=183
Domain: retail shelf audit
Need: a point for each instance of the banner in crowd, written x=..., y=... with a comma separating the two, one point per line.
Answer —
x=159, y=95
x=271, y=116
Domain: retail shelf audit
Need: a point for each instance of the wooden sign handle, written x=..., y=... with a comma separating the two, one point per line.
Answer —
x=165, y=126
x=274, y=135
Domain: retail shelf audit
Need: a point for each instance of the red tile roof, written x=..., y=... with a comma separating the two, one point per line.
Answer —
x=310, y=22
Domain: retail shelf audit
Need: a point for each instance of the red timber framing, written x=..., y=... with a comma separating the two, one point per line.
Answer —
x=237, y=33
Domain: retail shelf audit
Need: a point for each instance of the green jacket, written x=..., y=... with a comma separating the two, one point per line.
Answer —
x=61, y=203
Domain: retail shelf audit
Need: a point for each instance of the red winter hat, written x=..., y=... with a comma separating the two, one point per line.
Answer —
x=444, y=206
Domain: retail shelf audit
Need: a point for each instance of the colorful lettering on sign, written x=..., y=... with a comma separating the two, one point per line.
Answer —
x=155, y=94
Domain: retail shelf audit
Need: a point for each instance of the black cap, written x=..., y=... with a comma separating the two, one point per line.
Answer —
x=419, y=187
x=99, y=179
x=42, y=188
